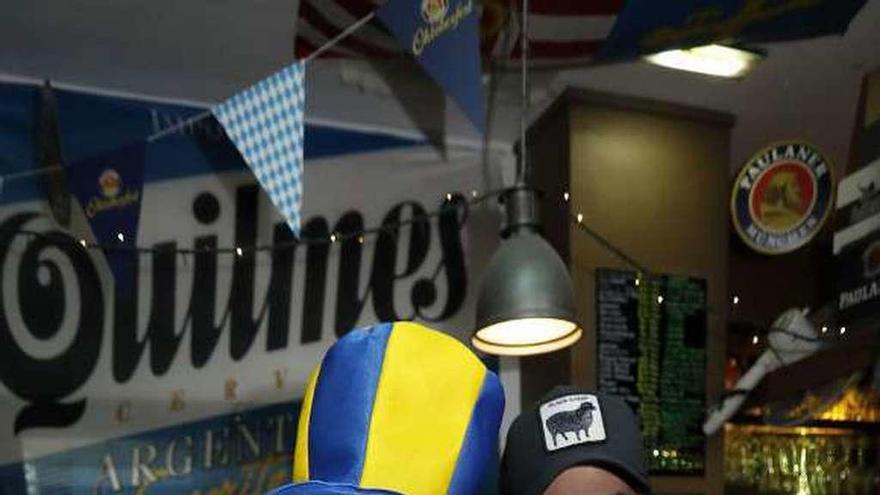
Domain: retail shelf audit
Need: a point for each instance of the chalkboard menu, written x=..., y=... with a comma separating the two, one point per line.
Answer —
x=652, y=353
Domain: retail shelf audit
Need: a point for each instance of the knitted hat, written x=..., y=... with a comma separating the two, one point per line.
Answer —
x=572, y=427
x=397, y=408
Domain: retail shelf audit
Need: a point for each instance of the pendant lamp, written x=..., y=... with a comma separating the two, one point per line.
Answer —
x=526, y=302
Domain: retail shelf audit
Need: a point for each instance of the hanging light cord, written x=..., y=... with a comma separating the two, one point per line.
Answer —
x=522, y=172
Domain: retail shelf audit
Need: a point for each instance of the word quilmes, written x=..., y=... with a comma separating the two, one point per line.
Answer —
x=41, y=278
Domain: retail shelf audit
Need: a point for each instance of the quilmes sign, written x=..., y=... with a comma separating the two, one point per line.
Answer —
x=200, y=369
x=41, y=298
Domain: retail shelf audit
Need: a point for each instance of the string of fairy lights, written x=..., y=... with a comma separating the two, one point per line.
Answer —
x=452, y=203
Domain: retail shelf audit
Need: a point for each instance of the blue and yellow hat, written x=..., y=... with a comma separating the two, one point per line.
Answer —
x=397, y=408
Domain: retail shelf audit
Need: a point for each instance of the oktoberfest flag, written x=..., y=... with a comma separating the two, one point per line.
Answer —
x=649, y=26
x=444, y=37
x=265, y=122
x=109, y=188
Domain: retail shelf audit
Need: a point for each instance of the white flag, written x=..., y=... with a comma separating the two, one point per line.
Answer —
x=265, y=122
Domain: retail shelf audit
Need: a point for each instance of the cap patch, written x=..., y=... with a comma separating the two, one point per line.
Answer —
x=572, y=420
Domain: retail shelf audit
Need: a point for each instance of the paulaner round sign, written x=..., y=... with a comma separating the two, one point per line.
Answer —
x=782, y=197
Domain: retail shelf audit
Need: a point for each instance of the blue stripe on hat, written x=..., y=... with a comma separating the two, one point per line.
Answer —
x=481, y=438
x=343, y=405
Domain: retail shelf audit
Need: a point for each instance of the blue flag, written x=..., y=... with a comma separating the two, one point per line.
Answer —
x=444, y=37
x=649, y=26
x=109, y=188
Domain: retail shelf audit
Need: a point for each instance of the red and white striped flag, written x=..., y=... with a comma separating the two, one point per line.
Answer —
x=562, y=32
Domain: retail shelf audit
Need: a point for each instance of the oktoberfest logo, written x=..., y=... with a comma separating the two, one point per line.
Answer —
x=110, y=183
x=439, y=17
x=433, y=11
x=112, y=195
x=782, y=197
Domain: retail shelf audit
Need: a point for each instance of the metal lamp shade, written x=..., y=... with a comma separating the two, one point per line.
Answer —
x=526, y=303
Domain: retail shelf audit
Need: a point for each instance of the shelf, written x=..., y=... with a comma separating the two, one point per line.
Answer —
x=860, y=426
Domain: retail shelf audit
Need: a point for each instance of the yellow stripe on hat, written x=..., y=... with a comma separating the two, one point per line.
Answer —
x=301, y=455
x=421, y=412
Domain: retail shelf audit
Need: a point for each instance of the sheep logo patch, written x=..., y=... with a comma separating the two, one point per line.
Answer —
x=572, y=420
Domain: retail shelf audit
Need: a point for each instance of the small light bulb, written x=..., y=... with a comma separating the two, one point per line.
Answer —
x=238, y=251
x=82, y=242
x=656, y=453
x=659, y=299
x=735, y=299
x=842, y=330
x=638, y=282
x=333, y=237
x=475, y=193
x=121, y=237
x=755, y=340
x=580, y=217
x=824, y=329
x=448, y=196
x=566, y=196
x=360, y=239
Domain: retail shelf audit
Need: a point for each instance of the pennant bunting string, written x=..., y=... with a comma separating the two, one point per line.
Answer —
x=318, y=52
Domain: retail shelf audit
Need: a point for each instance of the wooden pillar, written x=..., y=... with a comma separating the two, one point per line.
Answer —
x=653, y=178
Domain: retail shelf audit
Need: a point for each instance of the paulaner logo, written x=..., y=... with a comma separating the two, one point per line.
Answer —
x=110, y=186
x=438, y=20
x=782, y=197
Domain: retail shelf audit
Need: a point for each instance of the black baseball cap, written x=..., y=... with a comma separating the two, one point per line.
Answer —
x=571, y=427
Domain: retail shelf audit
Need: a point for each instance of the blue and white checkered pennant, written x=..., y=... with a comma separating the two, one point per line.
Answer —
x=265, y=122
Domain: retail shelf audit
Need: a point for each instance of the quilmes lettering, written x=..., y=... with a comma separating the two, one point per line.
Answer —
x=39, y=294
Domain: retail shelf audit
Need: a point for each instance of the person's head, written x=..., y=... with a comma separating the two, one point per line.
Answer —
x=574, y=442
x=397, y=409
